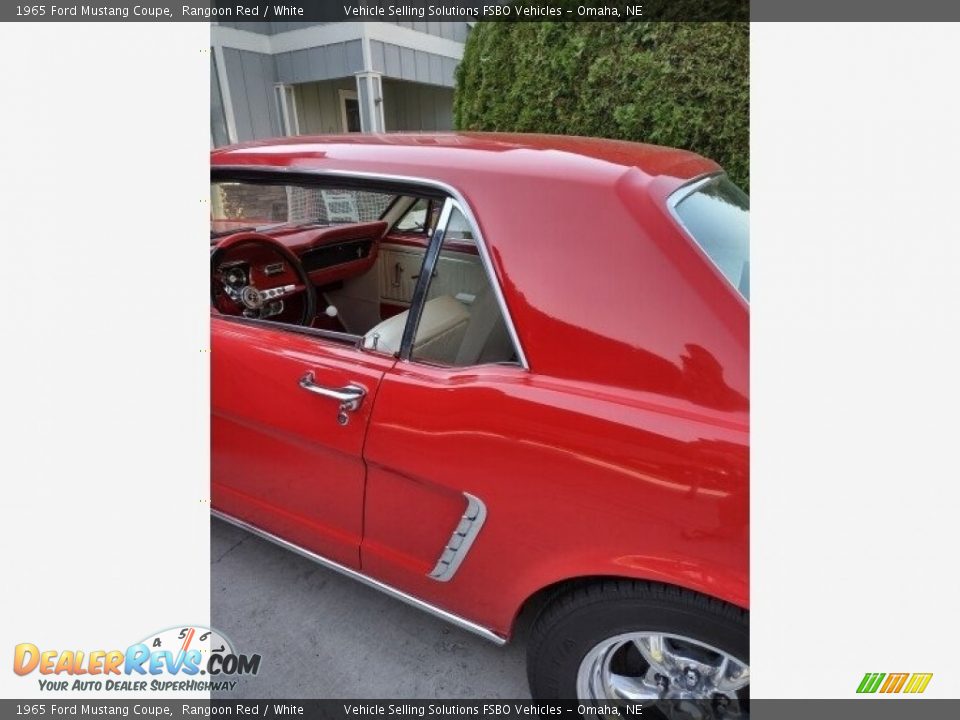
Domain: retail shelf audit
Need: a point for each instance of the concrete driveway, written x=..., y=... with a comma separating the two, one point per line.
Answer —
x=323, y=635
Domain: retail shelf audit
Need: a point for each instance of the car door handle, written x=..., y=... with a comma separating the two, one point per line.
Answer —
x=432, y=275
x=349, y=397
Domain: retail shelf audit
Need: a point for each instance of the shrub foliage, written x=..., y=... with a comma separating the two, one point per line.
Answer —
x=679, y=84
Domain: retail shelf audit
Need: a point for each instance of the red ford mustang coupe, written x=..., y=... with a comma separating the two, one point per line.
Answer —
x=489, y=374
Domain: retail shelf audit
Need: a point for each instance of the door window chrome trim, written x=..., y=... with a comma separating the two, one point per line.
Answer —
x=348, y=338
x=399, y=180
x=427, y=268
x=460, y=622
x=689, y=188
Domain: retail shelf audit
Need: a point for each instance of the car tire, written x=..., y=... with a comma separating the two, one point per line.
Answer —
x=618, y=623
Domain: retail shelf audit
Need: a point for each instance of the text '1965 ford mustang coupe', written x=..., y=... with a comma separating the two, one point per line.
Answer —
x=498, y=374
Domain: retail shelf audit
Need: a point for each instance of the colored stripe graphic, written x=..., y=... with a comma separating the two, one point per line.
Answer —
x=870, y=682
x=894, y=683
x=918, y=682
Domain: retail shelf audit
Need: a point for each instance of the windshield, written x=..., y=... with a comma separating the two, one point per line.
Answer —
x=238, y=206
x=716, y=214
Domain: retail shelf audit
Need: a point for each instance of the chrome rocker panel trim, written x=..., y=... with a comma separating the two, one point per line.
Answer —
x=460, y=622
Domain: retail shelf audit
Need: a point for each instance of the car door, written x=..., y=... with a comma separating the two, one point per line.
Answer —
x=435, y=448
x=289, y=415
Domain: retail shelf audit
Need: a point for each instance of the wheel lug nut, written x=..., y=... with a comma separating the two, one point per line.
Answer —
x=662, y=683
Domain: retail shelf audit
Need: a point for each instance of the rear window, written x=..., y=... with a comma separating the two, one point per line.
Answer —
x=716, y=214
x=247, y=205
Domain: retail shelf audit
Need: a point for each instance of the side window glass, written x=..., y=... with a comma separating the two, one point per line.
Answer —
x=285, y=276
x=416, y=219
x=458, y=229
x=461, y=323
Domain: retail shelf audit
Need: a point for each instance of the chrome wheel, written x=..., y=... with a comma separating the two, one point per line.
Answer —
x=649, y=666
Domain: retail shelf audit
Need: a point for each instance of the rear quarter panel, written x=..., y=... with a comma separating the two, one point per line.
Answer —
x=578, y=479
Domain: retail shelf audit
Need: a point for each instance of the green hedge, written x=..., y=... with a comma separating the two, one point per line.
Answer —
x=684, y=85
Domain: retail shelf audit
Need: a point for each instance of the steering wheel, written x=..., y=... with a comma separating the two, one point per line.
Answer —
x=238, y=281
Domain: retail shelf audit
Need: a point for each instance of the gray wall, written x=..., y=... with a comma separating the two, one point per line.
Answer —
x=408, y=106
x=251, y=77
x=270, y=28
x=262, y=28
x=450, y=30
x=318, y=105
x=218, y=120
x=279, y=27
x=320, y=63
x=414, y=65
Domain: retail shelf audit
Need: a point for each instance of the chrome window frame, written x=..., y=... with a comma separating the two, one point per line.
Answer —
x=413, y=181
x=681, y=194
x=427, y=268
x=350, y=339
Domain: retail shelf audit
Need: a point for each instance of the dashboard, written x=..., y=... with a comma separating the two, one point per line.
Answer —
x=254, y=280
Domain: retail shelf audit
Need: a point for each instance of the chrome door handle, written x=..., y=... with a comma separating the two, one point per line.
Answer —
x=349, y=397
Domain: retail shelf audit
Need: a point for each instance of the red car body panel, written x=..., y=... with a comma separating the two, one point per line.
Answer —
x=280, y=463
x=622, y=451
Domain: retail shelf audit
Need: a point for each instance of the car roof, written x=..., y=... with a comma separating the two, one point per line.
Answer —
x=582, y=244
x=460, y=154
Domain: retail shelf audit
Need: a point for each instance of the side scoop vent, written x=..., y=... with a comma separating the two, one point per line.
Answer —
x=460, y=541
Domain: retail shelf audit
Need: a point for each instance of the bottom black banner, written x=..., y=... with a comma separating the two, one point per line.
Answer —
x=873, y=708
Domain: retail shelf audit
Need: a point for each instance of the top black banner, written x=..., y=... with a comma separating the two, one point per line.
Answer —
x=515, y=10
x=313, y=11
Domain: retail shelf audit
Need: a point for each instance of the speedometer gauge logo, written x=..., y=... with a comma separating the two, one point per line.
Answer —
x=180, y=658
x=195, y=650
x=212, y=646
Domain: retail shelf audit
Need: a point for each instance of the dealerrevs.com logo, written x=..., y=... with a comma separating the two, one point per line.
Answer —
x=183, y=659
x=910, y=683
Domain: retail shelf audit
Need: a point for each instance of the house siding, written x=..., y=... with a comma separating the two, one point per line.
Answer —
x=456, y=31
x=218, y=118
x=251, y=77
x=414, y=65
x=409, y=106
x=417, y=84
x=450, y=30
x=325, y=62
x=318, y=105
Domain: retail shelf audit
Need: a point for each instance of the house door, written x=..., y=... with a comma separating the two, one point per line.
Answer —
x=349, y=111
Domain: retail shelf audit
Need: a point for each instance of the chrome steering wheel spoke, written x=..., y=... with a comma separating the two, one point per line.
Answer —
x=280, y=291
